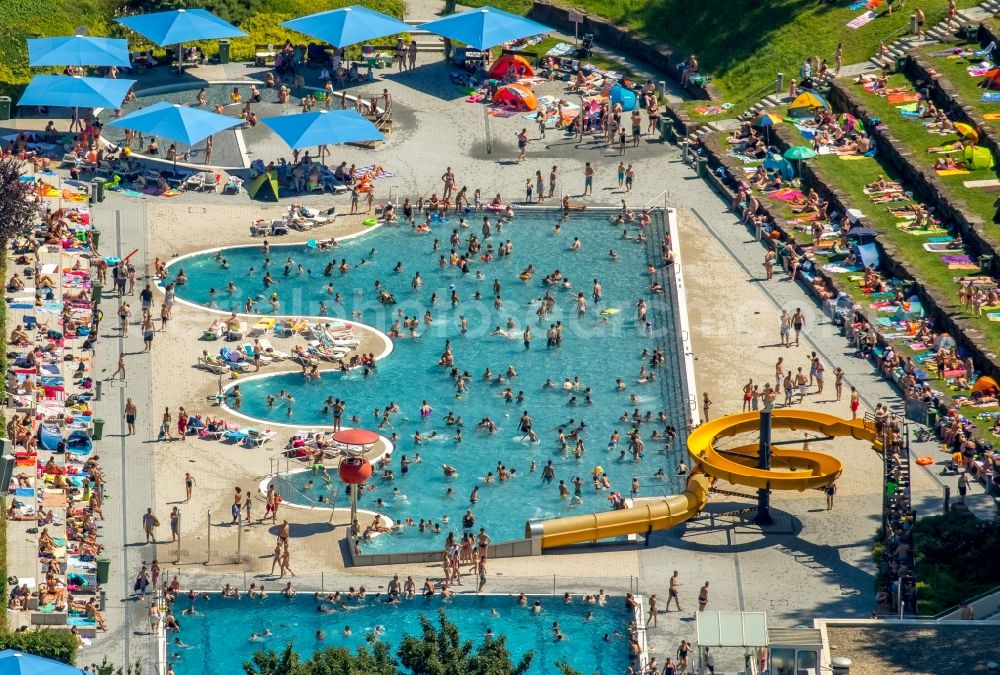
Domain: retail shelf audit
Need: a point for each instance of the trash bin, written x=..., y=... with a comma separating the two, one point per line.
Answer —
x=449, y=7
x=985, y=263
x=98, y=429
x=96, y=235
x=4, y=107
x=95, y=292
x=98, y=188
x=702, y=167
x=932, y=416
x=666, y=130
x=223, y=51
x=103, y=570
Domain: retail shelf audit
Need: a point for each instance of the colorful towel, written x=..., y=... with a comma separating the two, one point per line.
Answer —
x=861, y=20
x=848, y=158
x=955, y=259
x=384, y=173
x=963, y=266
x=991, y=116
x=990, y=97
x=788, y=196
x=710, y=110
x=952, y=172
x=993, y=316
x=895, y=99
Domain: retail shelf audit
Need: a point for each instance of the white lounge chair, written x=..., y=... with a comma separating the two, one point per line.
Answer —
x=267, y=348
x=209, y=184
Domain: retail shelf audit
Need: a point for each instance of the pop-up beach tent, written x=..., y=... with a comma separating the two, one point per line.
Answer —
x=516, y=95
x=624, y=96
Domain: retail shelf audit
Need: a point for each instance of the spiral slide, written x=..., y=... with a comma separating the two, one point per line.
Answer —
x=791, y=469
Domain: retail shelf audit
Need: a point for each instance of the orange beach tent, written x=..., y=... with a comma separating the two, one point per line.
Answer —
x=516, y=96
x=521, y=66
x=985, y=385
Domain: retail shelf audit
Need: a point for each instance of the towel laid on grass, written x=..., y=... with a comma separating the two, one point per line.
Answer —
x=952, y=172
x=861, y=20
x=990, y=97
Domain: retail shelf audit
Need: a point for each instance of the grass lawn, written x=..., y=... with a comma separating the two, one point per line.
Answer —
x=912, y=132
x=23, y=19
x=954, y=70
x=743, y=45
x=852, y=177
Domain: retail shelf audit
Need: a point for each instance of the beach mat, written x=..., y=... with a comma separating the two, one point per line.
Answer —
x=980, y=183
x=952, y=172
x=990, y=97
x=861, y=20
x=851, y=158
x=896, y=99
x=991, y=116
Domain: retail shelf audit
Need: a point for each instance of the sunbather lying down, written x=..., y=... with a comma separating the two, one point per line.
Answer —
x=947, y=148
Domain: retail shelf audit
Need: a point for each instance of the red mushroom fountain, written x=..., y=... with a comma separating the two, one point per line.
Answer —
x=355, y=469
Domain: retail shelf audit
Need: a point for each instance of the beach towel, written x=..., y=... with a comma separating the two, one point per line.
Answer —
x=861, y=20
x=895, y=99
x=788, y=196
x=993, y=316
x=500, y=111
x=908, y=107
x=981, y=183
x=991, y=116
x=955, y=259
x=952, y=172
x=710, y=110
x=990, y=97
x=868, y=254
x=963, y=266
x=848, y=158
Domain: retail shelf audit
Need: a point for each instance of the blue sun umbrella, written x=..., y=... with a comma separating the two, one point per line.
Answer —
x=179, y=123
x=484, y=27
x=323, y=127
x=180, y=25
x=75, y=92
x=347, y=25
x=18, y=663
x=78, y=50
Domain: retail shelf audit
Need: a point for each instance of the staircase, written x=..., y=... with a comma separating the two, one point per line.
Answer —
x=426, y=42
x=897, y=507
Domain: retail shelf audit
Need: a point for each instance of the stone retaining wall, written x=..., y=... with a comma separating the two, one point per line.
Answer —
x=657, y=54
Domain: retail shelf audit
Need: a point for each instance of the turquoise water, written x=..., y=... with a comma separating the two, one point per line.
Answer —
x=597, y=349
x=218, y=636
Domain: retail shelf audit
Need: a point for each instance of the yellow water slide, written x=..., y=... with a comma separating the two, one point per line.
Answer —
x=791, y=469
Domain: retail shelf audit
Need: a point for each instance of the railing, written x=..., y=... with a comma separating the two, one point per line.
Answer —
x=896, y=502
x=969, y=601
x=662, y=200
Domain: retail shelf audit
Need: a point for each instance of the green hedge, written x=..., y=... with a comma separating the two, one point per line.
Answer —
x=954, y=556
x=59, y=645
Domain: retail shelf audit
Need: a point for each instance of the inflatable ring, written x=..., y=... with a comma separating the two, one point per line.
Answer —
x=370, y=222
x=524, y=276
x=924, y=461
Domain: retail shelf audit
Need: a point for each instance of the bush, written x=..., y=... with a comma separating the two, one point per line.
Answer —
x=59, y=645
x=952, y=554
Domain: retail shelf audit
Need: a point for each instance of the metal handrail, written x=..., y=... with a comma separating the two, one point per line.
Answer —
x=661, y=199
x=968, y=601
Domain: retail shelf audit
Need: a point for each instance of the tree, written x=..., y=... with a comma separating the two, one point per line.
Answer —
x=437, y=651
x=329, y=661
x=17, y=214
x=440, y=651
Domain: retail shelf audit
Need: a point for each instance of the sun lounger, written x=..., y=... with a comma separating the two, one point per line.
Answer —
x=239, y=333
x=249, y=351
x=256, y=439
x=213, y=365
x=266, y=347
x=262, y=326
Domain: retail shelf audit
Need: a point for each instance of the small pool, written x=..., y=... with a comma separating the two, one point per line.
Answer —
x=219, y=635
x=597, y=348
x=259, y=141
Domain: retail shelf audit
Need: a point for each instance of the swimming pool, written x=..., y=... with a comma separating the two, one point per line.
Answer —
x=596, y=348
x=218, y=636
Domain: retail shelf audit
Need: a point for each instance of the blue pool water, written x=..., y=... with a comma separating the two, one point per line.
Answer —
x=597, y=349
x=218, y=637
